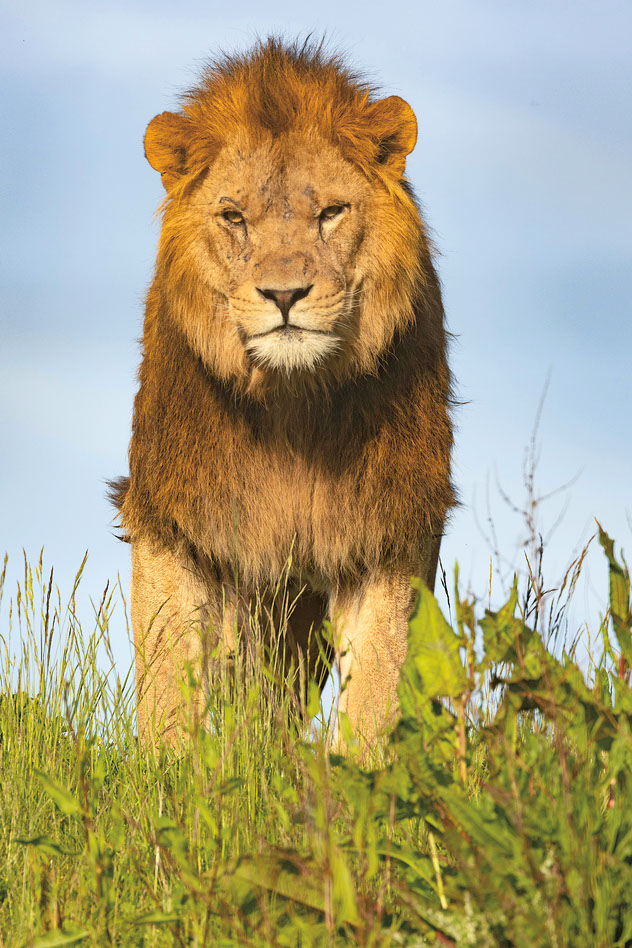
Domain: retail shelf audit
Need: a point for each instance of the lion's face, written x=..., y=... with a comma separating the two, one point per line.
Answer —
x=285, y=224
x=280, y=257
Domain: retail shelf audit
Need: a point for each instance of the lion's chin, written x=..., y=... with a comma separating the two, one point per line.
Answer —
x=292, y=350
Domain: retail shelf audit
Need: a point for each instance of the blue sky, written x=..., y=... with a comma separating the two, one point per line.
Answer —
x=523, y=167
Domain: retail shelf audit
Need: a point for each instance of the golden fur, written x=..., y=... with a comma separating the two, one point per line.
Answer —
x=294, y=389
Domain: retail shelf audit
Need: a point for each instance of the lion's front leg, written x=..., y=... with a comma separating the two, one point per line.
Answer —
x=371, y=629
x=177, y=617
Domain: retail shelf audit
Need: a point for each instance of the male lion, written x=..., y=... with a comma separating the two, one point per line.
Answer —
x=294, y=391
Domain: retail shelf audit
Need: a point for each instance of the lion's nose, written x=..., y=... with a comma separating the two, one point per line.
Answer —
x=285, y=299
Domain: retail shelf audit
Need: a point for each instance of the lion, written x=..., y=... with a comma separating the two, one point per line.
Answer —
x=293, y=409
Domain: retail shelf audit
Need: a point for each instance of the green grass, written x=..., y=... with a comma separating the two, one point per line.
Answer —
x=498, y=812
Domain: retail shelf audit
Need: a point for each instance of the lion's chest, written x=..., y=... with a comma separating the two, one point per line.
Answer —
x=283, y=507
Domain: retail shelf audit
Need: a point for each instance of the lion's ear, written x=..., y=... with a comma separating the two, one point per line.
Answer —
x=394, y=125
x=166, y=142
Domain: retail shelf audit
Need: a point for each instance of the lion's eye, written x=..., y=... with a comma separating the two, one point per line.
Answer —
x=334, y=210
x=233, y=217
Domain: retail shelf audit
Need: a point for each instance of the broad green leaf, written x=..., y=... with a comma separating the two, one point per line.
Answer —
x=47, y=846
x=601, y=687
x=486, y=825
x=61, y=797
x=313, y=700
x=463, y=610
x=67, y=937
x=420, y=863
x=284, y=877
x=157, y=918
x=433, y=666
x=171, y=838
x=349, y=739
x=343, y=888
x=620, y=607
x=508, y=640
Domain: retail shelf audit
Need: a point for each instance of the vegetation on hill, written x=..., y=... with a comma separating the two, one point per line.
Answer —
x=497, y=812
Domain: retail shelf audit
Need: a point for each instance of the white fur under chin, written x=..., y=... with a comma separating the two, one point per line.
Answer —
x=290, y=352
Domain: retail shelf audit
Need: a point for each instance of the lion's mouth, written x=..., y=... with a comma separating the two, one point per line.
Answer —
x=290, y=331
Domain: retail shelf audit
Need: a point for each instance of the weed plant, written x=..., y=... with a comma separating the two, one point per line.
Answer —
x=497, y=812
